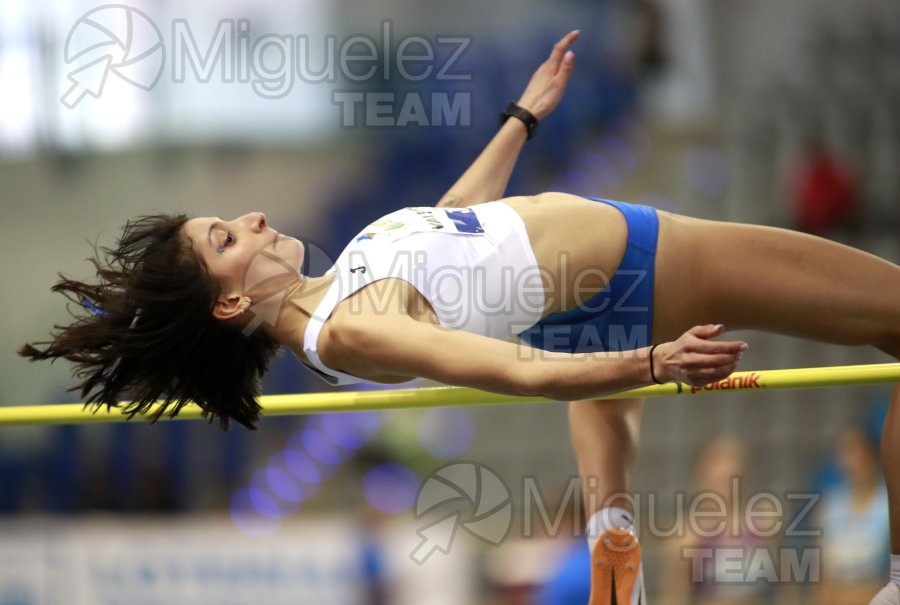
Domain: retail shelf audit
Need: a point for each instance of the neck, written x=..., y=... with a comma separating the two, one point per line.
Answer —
x=298, y=305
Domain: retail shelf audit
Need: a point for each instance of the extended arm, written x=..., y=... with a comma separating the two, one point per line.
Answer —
x=487, y=177
x=402, y=346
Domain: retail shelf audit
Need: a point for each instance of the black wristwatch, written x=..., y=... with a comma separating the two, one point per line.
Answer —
x=523, y=114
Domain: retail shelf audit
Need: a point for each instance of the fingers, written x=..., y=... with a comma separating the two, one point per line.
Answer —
x=696, y=360
x=700, y=341
x=560, y=48
x=700, y=360
x=707, y=330
x=712, y=347
x=701, y=378
x=567, y=64
x=702, y=368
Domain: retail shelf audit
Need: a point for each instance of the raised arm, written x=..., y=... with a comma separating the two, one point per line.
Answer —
x=487, y=177
x=402, y=346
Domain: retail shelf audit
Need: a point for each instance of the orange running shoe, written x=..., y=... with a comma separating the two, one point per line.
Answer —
x=617, y=577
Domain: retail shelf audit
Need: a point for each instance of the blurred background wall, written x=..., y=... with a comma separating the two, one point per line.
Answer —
x=765, y=111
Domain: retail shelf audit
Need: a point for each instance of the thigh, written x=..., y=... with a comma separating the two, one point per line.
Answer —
x=680, y=300
x=766, y=278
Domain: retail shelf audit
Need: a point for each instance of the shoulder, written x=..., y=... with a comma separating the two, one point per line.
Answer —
x=359, y=328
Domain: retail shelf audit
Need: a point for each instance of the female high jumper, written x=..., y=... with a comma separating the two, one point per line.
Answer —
x=550, y=295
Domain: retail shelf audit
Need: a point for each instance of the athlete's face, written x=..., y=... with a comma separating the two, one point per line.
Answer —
x=249, y=258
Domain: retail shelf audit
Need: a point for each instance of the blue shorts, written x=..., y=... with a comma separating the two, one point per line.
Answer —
x=620, y=317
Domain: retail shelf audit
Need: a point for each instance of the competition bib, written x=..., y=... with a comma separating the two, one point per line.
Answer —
x=422, y=220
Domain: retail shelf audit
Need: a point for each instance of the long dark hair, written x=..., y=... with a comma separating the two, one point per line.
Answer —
x=145, y=331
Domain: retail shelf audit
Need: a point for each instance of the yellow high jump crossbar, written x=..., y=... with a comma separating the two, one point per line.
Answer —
x=407, y=399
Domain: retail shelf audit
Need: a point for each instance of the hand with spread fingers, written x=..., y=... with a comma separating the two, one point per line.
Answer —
x=547, y=85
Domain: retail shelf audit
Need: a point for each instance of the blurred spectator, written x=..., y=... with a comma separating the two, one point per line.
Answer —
x=698, y=580
x=854, y=522
x=651, y=56
x=824, y=190
x=373, y=564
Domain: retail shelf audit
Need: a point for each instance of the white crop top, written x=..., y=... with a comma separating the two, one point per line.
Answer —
x=474, y=265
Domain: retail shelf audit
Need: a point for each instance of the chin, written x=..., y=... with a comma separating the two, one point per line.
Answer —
x=291, y=250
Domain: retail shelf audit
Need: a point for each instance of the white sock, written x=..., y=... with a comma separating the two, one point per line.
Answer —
x=609, y=518
x=895, y=569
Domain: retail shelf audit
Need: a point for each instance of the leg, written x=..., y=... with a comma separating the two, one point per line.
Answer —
x=890, y=462
x=790, y=283
x=605, y=438
x=890, y=452
x=777, y=280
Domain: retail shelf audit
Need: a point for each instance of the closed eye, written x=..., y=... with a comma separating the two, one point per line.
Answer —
x=229, y=240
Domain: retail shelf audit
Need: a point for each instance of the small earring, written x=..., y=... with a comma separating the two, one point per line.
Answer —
x=245, y=305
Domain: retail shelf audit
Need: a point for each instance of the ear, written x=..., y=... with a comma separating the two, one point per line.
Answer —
x=229, y=307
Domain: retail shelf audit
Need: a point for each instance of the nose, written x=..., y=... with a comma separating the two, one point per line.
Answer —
x=257, y=220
